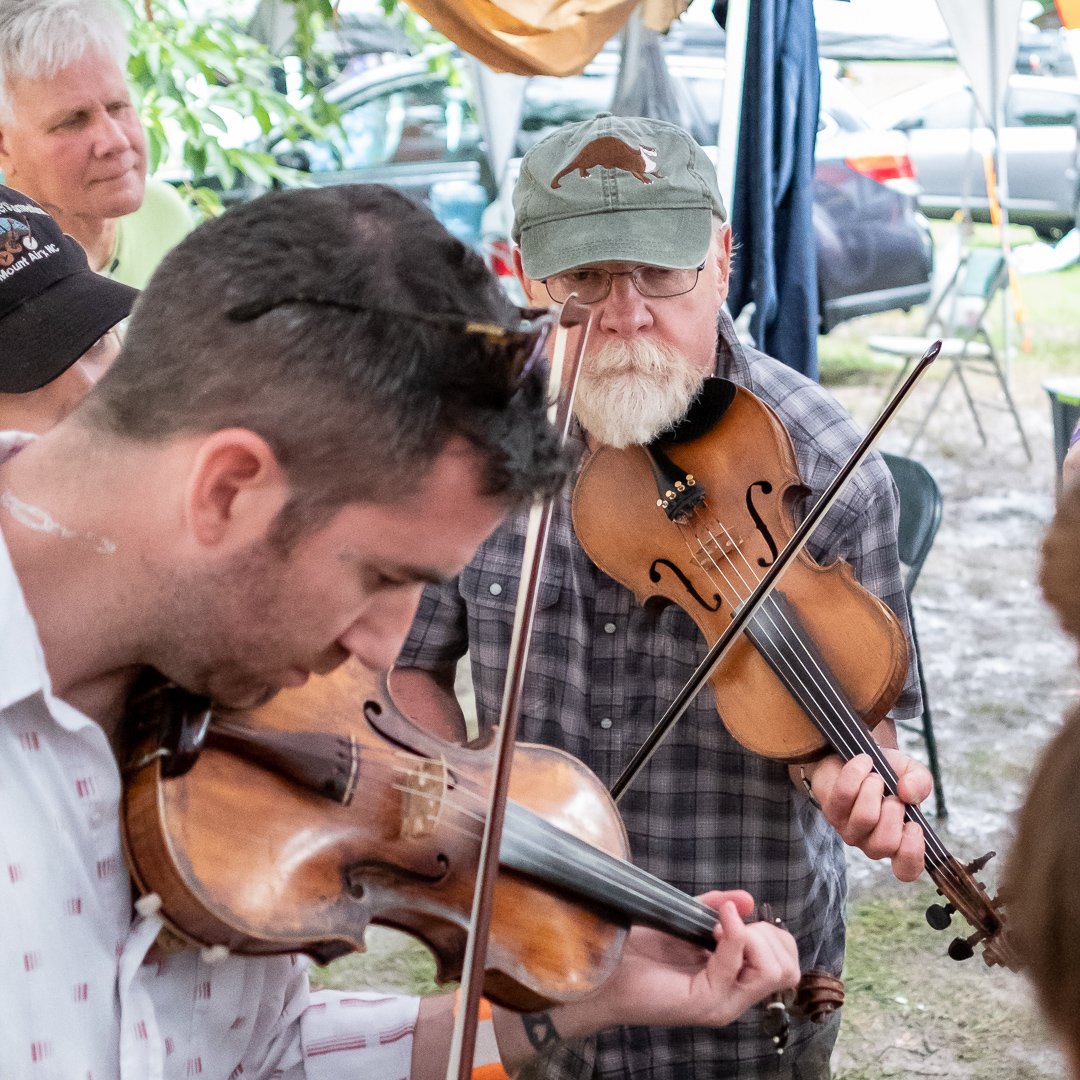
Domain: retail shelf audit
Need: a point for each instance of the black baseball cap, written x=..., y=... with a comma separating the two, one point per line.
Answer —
x=53, y=307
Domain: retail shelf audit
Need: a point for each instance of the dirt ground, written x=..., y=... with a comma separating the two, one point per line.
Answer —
x=1000, y=674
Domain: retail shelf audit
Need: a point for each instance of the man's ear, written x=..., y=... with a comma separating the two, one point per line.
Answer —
x=721, y=251
x=235, y=489
x=533, y=289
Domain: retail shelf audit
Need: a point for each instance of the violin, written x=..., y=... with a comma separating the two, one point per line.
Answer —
x=704, y=513
x=266, y=832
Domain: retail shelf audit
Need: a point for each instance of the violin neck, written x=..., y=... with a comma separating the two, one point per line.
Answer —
x=532, y=846
x=788, y=649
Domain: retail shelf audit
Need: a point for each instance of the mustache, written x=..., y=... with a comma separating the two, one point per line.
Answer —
x=633, y=357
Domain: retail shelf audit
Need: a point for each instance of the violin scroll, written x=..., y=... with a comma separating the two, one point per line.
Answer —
x=818, y=995
x=966, y=895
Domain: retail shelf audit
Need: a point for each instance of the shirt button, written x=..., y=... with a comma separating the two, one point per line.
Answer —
x=609, y=628
x=606, y=723
x=494, y=588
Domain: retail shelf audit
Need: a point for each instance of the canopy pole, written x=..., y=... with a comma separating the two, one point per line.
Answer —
x=998, y=97
x=727, y=142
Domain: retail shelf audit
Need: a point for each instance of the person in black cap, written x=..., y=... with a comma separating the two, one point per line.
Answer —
x=57, y=318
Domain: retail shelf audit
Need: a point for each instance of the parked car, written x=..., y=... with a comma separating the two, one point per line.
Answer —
x=948, y=138
x=411, y=124
x=1047, y=52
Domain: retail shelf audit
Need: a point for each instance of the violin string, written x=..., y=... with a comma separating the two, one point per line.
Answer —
x=842, y=733
x=768, y=613
x=376, y=756
x=674, y=898
x=395, y=768
x=845, y=728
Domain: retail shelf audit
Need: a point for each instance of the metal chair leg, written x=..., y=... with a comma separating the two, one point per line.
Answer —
x=970, y=399
x=928, y=728
x=1011, y=404
x=897, y=381
x=930, y=410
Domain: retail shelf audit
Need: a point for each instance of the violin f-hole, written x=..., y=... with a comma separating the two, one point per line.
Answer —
x=766, y=489
x=687, y=584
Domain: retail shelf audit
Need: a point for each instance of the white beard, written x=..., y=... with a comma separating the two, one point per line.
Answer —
x=630, y=391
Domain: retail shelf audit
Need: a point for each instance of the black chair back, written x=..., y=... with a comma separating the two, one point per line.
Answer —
x=920, y=513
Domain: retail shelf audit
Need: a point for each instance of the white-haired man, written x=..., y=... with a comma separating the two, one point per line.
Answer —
x=71, y=139
x=626, y=213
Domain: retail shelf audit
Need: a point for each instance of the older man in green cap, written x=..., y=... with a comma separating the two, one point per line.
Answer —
x=626, y=213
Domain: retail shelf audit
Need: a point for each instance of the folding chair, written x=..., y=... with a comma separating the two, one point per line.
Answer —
x=958, y=317
x=920, y=516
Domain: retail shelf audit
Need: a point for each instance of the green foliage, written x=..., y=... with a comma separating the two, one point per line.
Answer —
x=206, y=90
x=402, y=17
x=420, y=33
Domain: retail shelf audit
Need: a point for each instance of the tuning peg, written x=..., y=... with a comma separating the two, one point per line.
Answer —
x=963, y=948
x=939, y=916
x=776, y=1024
x=979, y=863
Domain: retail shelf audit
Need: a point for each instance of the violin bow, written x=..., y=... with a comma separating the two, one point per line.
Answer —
x=720, y=648
x=565, y=367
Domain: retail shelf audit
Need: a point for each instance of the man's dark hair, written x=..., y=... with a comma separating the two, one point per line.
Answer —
x=288, y=316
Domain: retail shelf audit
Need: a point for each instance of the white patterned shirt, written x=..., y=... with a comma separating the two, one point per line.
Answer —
x=85, y=994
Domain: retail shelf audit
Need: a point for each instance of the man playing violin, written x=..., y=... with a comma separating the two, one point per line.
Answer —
x=626, y=213
x=305, y=426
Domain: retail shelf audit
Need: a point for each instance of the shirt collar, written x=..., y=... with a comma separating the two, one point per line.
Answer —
x=731, y=359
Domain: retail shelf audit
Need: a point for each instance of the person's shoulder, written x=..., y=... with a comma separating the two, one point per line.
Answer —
x=821, y=430
x=165, y=206
x=144, y=237
x=807, y=409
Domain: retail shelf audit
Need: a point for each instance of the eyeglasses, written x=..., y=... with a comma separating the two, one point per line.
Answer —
x=517, y=350
x=593, y=284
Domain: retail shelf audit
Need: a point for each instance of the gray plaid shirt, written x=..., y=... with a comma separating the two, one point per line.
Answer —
x=705, y=813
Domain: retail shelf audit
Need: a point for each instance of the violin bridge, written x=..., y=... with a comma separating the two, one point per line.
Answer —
x=715, y=541
x=424, y=788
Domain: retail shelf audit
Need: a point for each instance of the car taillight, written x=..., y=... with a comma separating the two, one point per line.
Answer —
x=500, y=258
x=892, y=170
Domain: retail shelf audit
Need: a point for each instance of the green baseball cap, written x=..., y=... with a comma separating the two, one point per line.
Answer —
x=615, y=189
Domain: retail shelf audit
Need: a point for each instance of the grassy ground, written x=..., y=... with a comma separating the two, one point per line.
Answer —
x=912, y=1012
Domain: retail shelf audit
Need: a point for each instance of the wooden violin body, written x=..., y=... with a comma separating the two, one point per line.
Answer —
x=246, y=853
x=821, y=628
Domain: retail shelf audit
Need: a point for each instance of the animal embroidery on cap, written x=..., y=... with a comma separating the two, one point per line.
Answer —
x=14, y=239
x=609, y=152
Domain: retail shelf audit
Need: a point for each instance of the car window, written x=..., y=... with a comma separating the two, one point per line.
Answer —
x=425, y=121
x=953, y=110
x=1039, y=108
x=551, y=102
x=838, y=100
x=701, y=113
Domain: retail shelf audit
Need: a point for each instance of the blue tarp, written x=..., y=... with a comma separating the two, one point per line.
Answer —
x=775, y=264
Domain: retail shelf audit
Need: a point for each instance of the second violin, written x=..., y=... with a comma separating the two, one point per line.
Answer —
x=822, y=659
